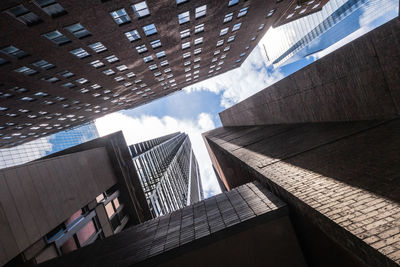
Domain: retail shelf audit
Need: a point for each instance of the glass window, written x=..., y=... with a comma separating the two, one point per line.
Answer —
x=109, y=209
x=78, y=30
x=242, y=12
x=270, y=13
x=98, y=47
x=80, y=53
x=13, y=51
x=200, y=11
x=224, y=31
x=132, y=35
x=233, y=2
x=197, y=51
x=56, y=37
x=43, y=64
x=228, y=17
x=111, y=59
x=141, y=10
x=51, y=7
x=184, y=17
x=109, y=72
x=26, y=71
x=186, y=55
x=185, y=33
x=122, y=67
x=148, y=59
x=220, y=42
x=181, y=1
x=155, y=44
x=120, y=16
x=231, y=38
x=160, y=54
x=199, y=28
x=185, y=45
x=150, y=29
x=236, y=26
x=198, y=41
x=141, y=48
x=24, y=15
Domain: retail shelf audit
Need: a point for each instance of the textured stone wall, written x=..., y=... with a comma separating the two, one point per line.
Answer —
x=360, y=81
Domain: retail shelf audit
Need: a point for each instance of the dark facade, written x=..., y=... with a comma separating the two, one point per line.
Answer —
x=64, y=63
x=325, y=141
x=168, y=172
x=69, y=200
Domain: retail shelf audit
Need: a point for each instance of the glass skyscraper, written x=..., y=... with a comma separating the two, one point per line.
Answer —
x=47, y=145
x=320, y=30
x=168, y=171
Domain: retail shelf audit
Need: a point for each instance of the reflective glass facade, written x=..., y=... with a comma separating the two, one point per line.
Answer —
x=311, y=34
x=47, y=145
x=168, y=171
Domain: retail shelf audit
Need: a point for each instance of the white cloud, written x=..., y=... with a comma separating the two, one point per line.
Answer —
x=141, y=128
x=238, y=84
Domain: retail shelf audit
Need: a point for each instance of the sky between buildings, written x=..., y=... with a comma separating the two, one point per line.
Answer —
x=195, y=109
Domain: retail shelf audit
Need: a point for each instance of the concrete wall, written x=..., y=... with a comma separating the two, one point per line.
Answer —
x=360, y=81
x=38, y=196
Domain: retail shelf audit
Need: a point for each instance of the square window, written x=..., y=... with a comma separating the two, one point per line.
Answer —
x=185, y=33
x=69, y=85
x=185, y=45
x=78, y=30
x=50, y=79
x=141, y=10
x=228, y=17
x=150, y=29
x=198, y=41
x=13, y=51
x=236, y=26
x=197, y=51
x=160, y=54
x=196, y=66
x=120, y=16
x=98, y=47
x=148, y=59
x=132, y=35
x=80, y=53
x=200, y=11
x=199, y=28
x=56, y=37
x=186, y=55
x=242, y=12
x=188, y=69
x=184, y=17
x=141, y=48
x=155, y=44
x=111, y=59
x=43, y=64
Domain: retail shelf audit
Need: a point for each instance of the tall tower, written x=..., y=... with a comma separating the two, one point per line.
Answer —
x=168, y=171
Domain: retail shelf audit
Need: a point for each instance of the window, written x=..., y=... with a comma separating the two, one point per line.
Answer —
x=200, y=11
x=186, y=63
x=231, y=38
x=228, y=17
x=66, y=74
x=199, y=28
x=181, y=1
x=120, y=16
x=26, y=71
x=82, y=80
x=227, y=48
x=51, y=7
x=149, y=29
x=198, y=41
x=188, y=69
x=153, y=67
x=148, y=59
x=261, y=27
x=216, y=52
x=160, y=54
x=302, y=11
x=57, y=37
x=242, y=12
x=157, y=74
x=233, y=2
x=167, y=70
x=236, y=26
x=270, y=13
x=197, y=59
x=13, y=51
x=132, y=35
x=95, y=86
x=220, y=42
x=28, y=99
x=186, y=55
x=197, y=51
x=80, y=53
x=184, y=17
x=50, y=79
x=155, y=44
x=78, y=30
x=69, y=85
x=185, y=45
x=130, y=74
x=119, y=78
x=224, y=31
x=109, y=72
x=3, y=61
x=196, y=66
x=223, y=56
x=242, y=54
x=141, y=10
x=111, y=59
x=43, y=64
x=164, y=63
x=24, y=15
x=98, y=47
x=141, y=48
x=185, y=33
x=316, y=6
x=122, y=67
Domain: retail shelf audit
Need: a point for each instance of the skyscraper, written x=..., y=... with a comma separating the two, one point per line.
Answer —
x=72, y=66
x=47, y=145
x=168, y=171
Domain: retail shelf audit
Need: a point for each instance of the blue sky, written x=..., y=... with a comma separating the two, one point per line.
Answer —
x=195, y=109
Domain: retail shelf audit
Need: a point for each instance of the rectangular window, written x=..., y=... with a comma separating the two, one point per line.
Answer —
x=228, y=17
x=227, y=48
x=120, y=16
x=164, y=63
x=80, y=53
x=181, y=1
x=231, y=38
x=155, y=44
x=197, y=51
x=26, y=71
x=198, y=41
x=184, y=17
x=56, y=37
x=66, y=74
x=119, y=78
x=220, y=42
x=24, y=15
x=185, y=33
x=197, y=59
x=186, y=63
x=78, y=30
x=98, y=47
x=122, y=67
x=236, y=26
x=130, y=74
x=153, y=67
x=43, y=64
x=51, y=7
x=141, y=10
x=132, y=35
x=199, y=28
x=148, y=59
x=141, y=48
x=185, y=45
x=270, y=13
x=109, y=72
x=150, y=29
x=233, y=2
x=13, y=51
x=200, y=11
x=224, y=31
x=160, y=54
x=111, y=59
x=242, y=12
x=186, y=55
